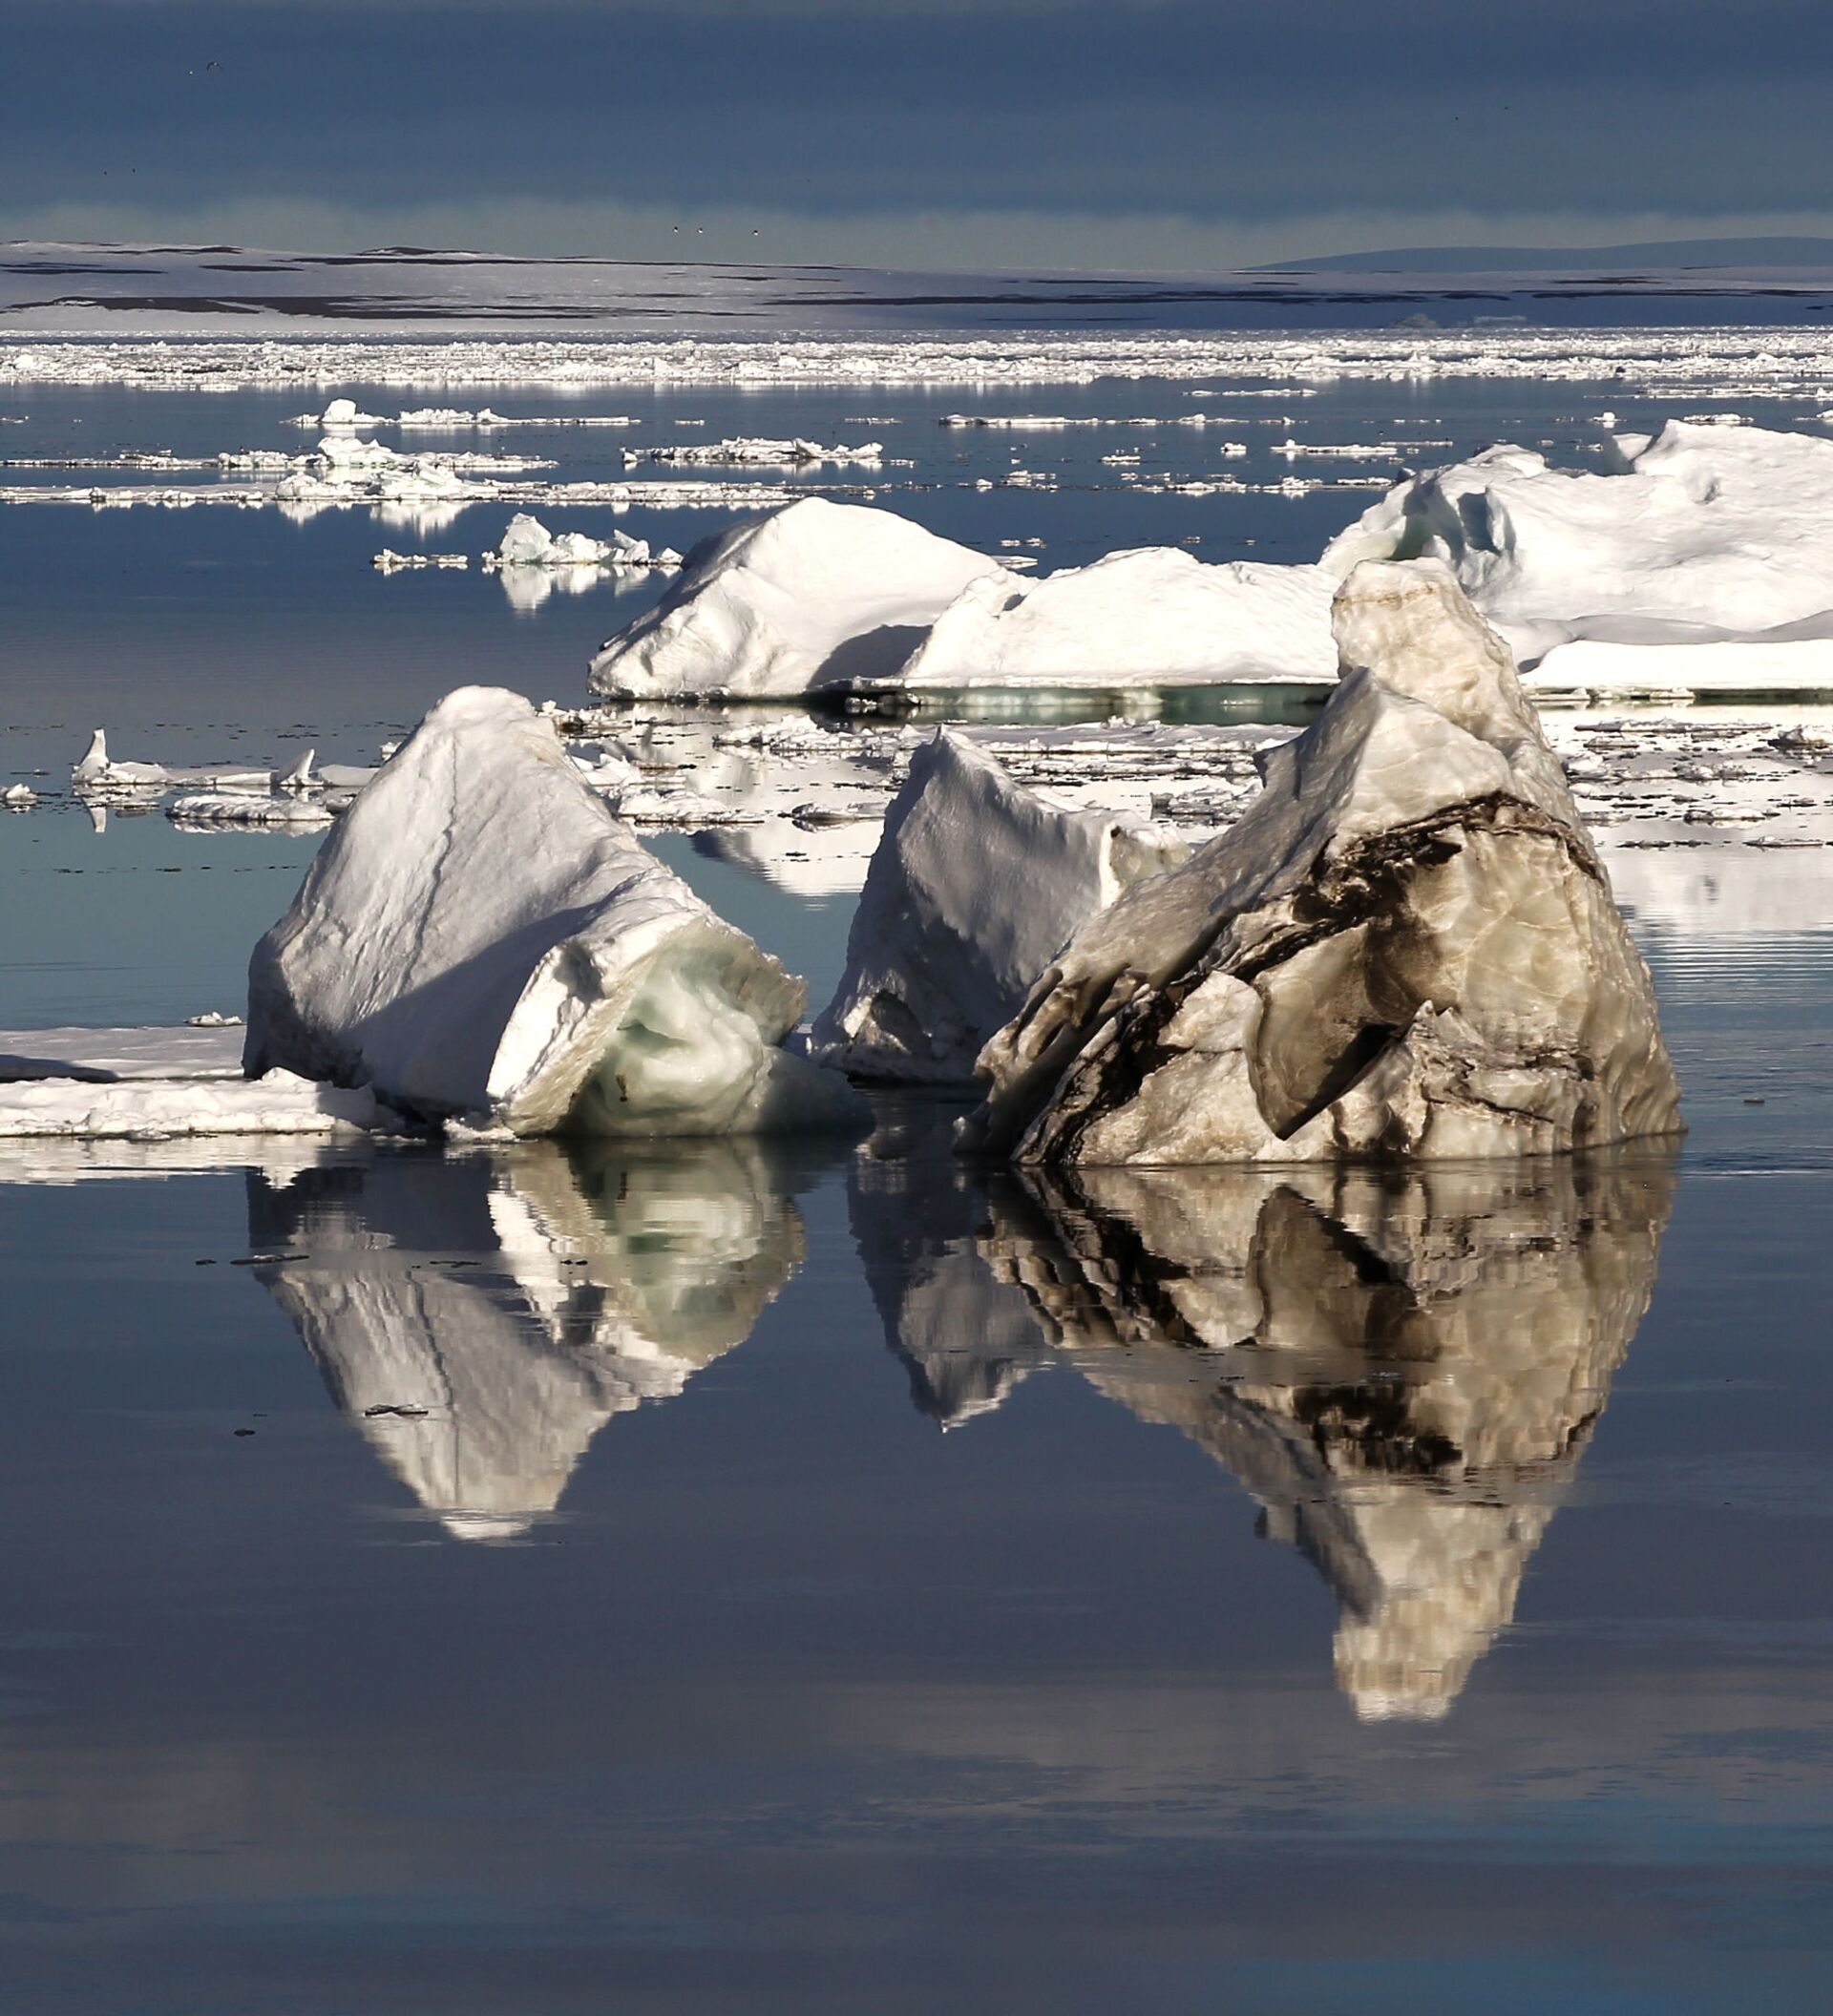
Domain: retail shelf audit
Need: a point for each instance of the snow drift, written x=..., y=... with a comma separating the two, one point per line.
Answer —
x=1404, y=947
x=975, y=885
x=481, y=939
x=1701, y=536
x=815, y=595
x=1155, y=615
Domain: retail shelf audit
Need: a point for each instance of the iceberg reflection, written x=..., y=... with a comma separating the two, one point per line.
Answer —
x=482, y=1316
x=1402, y=1367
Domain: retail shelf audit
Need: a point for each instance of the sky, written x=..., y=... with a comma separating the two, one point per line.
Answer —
x=1142, y=134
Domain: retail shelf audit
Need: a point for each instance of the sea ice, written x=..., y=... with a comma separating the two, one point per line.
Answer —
x=152, y=1108
x=482, y=941
x=527, y=543
x=976, y=884
x=1404, y=947
x=815, y=595
x=1698, y=535
x=1156, y=616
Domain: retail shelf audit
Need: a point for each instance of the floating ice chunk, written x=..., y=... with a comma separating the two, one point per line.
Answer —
x=1404, y=947
x=101, y=1056
x=1595, y=665
x=388, y=561
x=815, y=595
x=296, y=812
x=213, y=1019
x=18, y=797
x=343, y=412
x=527, y=543
x=345, y=456
x=1405, y=1372
x=481, y=939
x=1702, y=534
x=152, y=1108
x=98, y=772
x=976, y=886
x=1155, y=615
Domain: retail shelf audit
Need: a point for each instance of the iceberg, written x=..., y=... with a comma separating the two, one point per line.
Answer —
x=816, y=594
x=527, y=543
x=481, y=941
x=1404, y=947
x=977, y=885
x=1697, y=535
x=1156, y=616
x=1402, y=1370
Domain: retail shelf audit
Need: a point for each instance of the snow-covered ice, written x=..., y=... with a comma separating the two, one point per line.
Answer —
x=1405, y=947
x=148, y=1108
x=816, y=594
x=1155, y=615
x=975, y=885
x=482, y=941
x=1695, y=538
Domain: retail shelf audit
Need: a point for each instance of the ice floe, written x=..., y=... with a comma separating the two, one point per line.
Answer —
x=1699, y=539
x=815, y=594
x=975, y=885
x=1406, y=946
x=148, y=1108
x=1156, y=616
x=526, y=542
x=740, y=449
x=481, y=941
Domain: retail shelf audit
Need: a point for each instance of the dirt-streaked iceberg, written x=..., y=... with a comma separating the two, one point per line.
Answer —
x=1404, y=947
x=817, y=595
x=1697, y=536
x=976, y=884
x=1155, y=615
x=481, y=939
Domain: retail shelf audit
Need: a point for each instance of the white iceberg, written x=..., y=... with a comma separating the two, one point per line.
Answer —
x=527, y=543
x=1405, y=946
x=977, y=885
x=1701, y=536
x=482, y=941
x=1155, y=615
x=815, y=594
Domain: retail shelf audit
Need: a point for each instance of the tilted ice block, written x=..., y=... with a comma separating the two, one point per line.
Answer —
x=975, y=885
x=815, y=594
x=1156, y=616
x=482, y=940
x=1697, y=536
x=1404, y=1371
x=1404, y=947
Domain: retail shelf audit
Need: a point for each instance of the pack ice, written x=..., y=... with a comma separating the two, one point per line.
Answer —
x=1404, y=947
x=1699, y=539
x=484, y=938
x=815, y=595
x=975, y=885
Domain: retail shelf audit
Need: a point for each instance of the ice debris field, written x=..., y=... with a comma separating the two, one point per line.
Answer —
x=1152, y=939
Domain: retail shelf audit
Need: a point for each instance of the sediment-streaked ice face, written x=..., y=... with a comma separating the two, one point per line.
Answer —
x=1405, y=946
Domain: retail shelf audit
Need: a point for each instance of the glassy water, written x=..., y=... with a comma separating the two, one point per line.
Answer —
x=762, y=1577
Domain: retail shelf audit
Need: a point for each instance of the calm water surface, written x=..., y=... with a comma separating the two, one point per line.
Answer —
x=823, y=1578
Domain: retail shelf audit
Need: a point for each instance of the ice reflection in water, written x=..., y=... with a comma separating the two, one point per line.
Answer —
x=482, y=1316
x=1403, y=1369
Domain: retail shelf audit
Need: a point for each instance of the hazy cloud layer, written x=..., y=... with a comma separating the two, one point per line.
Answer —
x=1153, y=132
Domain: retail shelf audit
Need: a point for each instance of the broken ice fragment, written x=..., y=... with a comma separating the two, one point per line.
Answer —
x=1404, y=947
x=975, y=885
x=482, y=941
